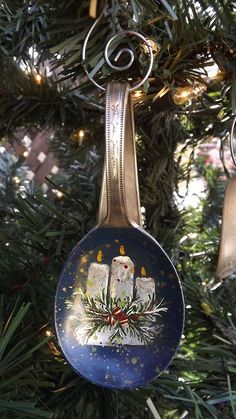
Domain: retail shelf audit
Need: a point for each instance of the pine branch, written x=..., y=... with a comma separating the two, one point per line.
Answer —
x=100, y=315
x=15, y=354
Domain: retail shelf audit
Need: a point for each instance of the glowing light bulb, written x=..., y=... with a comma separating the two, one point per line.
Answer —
x=182, y=95
x=59, y=194
x=48, y=333
x=138, y=93
x=78, y=135
x=81, y=134
x=16, y=179
x=25, y=154
x=38, y=78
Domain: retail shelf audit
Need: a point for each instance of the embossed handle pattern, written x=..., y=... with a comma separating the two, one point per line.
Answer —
x=129, y=169
x=117, y=109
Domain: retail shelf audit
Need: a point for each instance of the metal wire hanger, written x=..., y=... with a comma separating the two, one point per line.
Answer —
x=123, y=50
x=130, y=164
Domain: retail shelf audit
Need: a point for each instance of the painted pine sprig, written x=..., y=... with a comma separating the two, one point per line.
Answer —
x=129, y=315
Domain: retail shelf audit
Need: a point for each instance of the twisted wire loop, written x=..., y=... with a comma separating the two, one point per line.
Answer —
x=121, y=51
x=231, y=141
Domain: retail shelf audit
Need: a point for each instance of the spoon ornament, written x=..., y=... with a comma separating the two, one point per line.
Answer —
x=119, y=304
x=226, y=264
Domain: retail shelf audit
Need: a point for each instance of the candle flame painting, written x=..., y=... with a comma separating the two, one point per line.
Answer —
x=116, y=308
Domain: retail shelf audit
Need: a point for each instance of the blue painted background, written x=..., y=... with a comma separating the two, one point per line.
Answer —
x=122, y=366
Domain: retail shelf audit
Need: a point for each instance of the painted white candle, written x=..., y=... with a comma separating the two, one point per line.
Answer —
x=121, y=286
x=97, y=282
x=122, y=278
x=145, y=288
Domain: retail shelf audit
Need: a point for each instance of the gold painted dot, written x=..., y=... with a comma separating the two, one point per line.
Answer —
x=81, y=270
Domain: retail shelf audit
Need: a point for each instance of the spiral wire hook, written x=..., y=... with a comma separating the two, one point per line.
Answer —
x=123, y=50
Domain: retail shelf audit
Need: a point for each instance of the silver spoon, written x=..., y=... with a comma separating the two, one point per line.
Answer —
x=119, y=304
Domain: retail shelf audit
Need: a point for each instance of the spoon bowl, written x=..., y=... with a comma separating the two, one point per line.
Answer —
x=144, y=276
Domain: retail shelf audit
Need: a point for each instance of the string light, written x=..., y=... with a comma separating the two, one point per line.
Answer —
x=38, y=78
x=59, y=194
x=78, y=135
x=25, y=154
x=182, y=95
x=138, y=93
x=16, y=179
x=81, y=134
x=51, y=345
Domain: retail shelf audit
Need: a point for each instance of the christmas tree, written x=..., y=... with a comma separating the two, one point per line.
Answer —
x=187, y=101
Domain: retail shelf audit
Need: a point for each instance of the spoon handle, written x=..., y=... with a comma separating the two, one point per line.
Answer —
x=119, y=198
